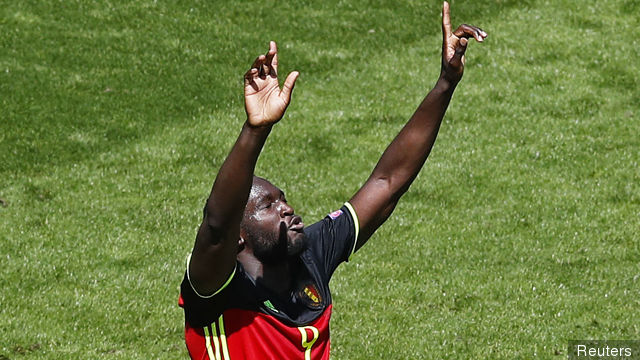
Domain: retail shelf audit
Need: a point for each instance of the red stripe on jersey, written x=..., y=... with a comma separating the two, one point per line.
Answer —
x=254, y=335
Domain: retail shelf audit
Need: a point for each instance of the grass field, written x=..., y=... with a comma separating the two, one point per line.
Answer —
x=520, y=234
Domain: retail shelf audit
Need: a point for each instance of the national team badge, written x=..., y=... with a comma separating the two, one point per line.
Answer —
x=334, y=215
x=311, y=295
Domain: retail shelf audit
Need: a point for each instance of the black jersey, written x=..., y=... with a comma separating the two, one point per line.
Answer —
x=246, y=320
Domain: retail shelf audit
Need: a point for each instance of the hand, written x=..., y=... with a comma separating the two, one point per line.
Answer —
x=454, y=45
x=264, y=102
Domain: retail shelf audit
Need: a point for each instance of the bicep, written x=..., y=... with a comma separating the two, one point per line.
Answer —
x=373, y=204
x=213, y=258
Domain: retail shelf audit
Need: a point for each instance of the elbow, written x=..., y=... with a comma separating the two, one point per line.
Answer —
x=393, y=185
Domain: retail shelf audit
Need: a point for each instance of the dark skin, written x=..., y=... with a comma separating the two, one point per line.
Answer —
x=248, y=219
x=270, y=227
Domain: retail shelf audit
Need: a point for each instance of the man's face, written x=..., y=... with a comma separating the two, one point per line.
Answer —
x=271, y=229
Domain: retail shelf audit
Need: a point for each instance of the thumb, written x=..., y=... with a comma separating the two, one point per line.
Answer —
x=288, y=85
x=458, y=58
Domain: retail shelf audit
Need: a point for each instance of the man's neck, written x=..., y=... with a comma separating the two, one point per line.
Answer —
x=275, y=277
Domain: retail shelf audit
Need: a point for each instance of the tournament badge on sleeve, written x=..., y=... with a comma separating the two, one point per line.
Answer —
x=334, y=215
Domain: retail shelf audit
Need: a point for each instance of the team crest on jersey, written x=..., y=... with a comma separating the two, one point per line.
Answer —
x=311, y=295
x=334, y=215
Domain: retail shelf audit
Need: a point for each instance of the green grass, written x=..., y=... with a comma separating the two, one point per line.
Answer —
x=520, y=234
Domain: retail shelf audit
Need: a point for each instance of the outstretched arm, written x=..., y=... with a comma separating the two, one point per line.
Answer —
x=214, y=254
x=403, y=159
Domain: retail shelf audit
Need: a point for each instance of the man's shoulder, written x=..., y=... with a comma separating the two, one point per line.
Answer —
x=201, y=310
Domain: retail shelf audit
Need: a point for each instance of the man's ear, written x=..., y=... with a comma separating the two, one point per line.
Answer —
x=241, y=242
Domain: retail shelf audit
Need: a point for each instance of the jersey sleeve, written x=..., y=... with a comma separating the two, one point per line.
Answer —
x=333, y=239
x=201, y=310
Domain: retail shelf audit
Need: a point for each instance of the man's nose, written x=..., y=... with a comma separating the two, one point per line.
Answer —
x=285, y=209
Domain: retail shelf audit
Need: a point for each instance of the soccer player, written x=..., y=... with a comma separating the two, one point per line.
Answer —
x=257, y=281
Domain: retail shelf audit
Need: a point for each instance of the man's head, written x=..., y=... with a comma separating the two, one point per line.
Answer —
x=269, y=227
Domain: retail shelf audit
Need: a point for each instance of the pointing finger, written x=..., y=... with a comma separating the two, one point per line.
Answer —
x=272, y=59
x=446, y=22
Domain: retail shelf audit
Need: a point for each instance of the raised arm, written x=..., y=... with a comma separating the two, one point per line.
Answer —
x=403, y=159
x=214, y=254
